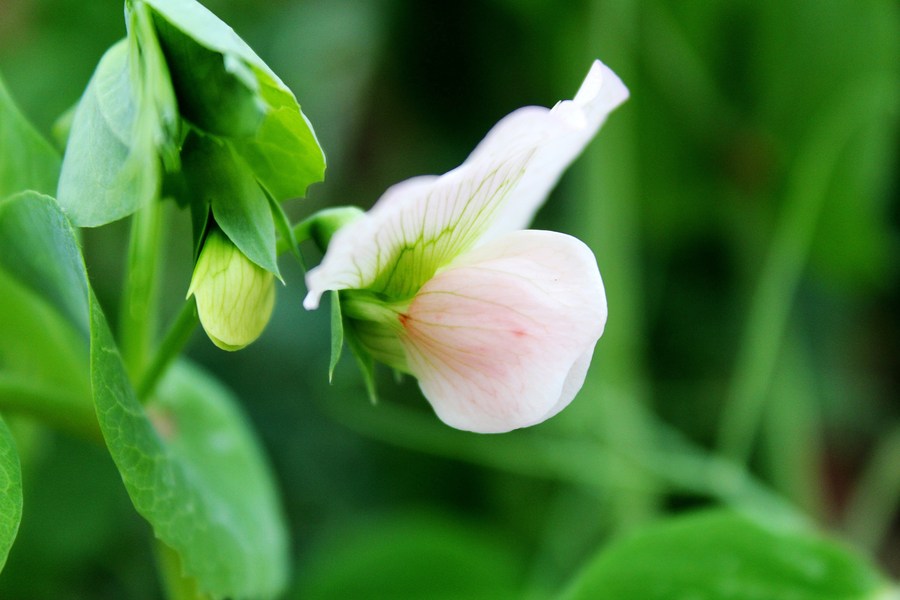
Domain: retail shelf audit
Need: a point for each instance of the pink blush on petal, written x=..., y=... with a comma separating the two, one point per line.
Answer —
x=493, y=340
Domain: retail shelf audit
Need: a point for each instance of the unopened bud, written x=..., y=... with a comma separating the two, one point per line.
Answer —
x=235, y=296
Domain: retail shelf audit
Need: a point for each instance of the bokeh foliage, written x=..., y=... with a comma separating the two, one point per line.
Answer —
x=743, y=207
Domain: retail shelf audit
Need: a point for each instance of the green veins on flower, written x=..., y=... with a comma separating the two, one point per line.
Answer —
x=235, y=296
x=439, y=279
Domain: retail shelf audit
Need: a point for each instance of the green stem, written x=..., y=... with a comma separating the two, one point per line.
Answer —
x=53, y=404
x=141, y=292
x=611, y=470
x=792, y=444
x=608, y=221
x=138, y=316
x=782, y=269
x=301, y=233
x=320, y=226
x=680, y=73
x=874, y=503
x=174, y=341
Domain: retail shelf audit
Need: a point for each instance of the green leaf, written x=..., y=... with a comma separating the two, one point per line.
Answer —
x=158, y=109
x=43, y=362
x=37, y=247
x=284, y=229
x=199, y=224
x=364, y=360
x=195, y=472
x=337, y=333
x=720, y=555
x=231, y=90
x=284, y=154
x=412, y=556
x=43, y=315
x=206, y=29
x=189, y=462
x=61, y=129
x=215, y=93
x=27, y=161
x=240, y=207
x=111, y=166
x=10, y=492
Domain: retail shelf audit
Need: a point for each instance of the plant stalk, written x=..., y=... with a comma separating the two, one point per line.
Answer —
x=771, y=304
x=139, y=312
x=176, y=337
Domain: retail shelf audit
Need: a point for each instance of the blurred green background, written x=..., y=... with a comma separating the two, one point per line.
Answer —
x=744, y=209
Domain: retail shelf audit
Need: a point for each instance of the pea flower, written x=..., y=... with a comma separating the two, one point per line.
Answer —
x=440, y=280
x=235, y=296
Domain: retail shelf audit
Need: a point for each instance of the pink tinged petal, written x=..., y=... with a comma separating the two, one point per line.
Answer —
x=502, y=338
x=420, y=225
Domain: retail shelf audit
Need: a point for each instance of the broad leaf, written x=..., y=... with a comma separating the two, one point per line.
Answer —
x=43, y=361
x=284, y=154
x=10, y=492
x=198, y=475
x=719, y=555
x=215, y=174
x=111, y=166
x=194, y=470
x=43, y=319
x=215, y=94
x=225, y=88
x=40, y=349
x=126, y=123
x=207, y=30
x=43, y=314
x=27, y=161
x=37, y=247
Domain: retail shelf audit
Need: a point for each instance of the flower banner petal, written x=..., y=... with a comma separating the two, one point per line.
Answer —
x=415, y=228
x=420, y=225
x=502, y=339
x=558, y=136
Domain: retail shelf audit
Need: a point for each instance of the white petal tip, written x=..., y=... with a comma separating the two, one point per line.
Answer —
x=311, y=302
x=601, y=86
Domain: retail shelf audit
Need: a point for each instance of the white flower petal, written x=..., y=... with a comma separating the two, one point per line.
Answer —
x=502, y=338
x=420, y=225
x=416, y=227
x=559, y=135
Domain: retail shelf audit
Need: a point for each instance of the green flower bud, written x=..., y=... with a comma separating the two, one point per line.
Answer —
x=235, y=296
x=326, y=223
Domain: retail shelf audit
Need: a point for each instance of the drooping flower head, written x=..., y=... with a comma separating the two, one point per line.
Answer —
x=235, y=296
x=439, y=279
